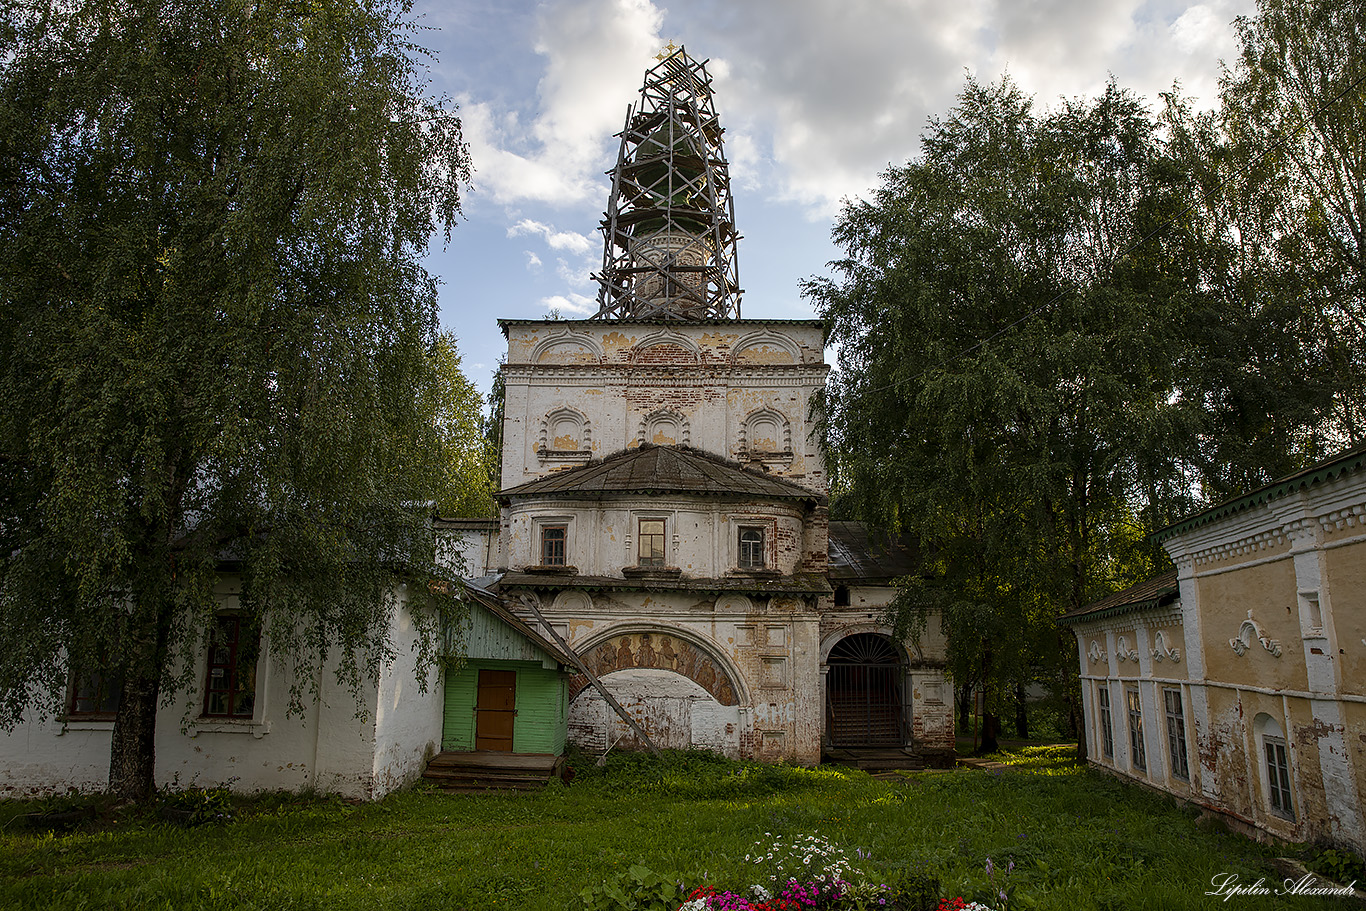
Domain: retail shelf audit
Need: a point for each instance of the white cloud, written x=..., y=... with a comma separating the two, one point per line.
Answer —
x=594, y=53
x=533, y=262
x=568, y=241
x=571, y=303
x=579, y=275
x=819, y=97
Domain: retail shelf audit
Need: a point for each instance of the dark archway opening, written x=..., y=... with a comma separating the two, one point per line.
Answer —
x=863, y=692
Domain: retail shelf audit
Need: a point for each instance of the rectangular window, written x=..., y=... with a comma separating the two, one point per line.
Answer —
x=1107, y=733
x=96, y=694
x=552, y=544
x=1136, y=754
x=230, y=688
x=1278, y=776
x=1176, y=735
x=751, y=548
x=650, y=546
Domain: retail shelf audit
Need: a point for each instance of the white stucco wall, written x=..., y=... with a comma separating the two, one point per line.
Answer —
x=700, y=534
x=327, y=748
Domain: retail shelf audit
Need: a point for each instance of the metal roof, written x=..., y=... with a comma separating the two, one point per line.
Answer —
x=859, y=554
x=660, y=470
x=1158, y=591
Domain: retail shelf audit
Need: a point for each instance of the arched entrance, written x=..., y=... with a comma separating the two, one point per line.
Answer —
x=863, y=692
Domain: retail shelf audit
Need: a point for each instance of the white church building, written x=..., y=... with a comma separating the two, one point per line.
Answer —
x=664, y=537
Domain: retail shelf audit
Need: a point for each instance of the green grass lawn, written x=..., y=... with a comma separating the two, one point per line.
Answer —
x=1078, y=841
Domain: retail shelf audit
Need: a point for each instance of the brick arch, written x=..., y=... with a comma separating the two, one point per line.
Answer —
x=666, y=347
x=659, y=648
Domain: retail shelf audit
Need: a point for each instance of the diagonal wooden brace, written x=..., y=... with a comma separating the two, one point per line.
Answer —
x=530, y=604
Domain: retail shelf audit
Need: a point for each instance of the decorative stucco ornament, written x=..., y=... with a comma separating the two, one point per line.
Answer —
x=1249, y=631
x=1096, y=653
x=1123, y=652
x=1160, y=650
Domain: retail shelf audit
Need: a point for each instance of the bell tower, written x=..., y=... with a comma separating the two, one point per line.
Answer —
x=670, y=240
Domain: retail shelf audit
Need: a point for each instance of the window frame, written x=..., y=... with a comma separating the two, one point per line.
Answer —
x=545, y=556
x=1138, y=755
x=1105, y=720
x=653, y=560
x=232, y=668
x=108, y=688
x=760, y=547
x=1177, y=752
x=1280, y=794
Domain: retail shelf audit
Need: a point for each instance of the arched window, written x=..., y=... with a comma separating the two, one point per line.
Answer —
x=1274, y=754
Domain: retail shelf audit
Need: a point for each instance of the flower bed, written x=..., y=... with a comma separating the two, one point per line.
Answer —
x=809, y=873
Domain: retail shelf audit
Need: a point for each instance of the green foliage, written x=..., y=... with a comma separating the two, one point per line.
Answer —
x=638, y=888
x=468, y=455
x=196, y=806
x=1078, y=840
x=1292, y=117
x=1007, y=330
x=216, y=341
x=698, y=775
x=1339, y=866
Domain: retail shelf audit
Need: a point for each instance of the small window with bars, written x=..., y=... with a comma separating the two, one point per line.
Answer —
x=1176, y=735
x=1107, y=732
x=1278, y=777
x=751, y=548
x=552, y=544
x=650, y=544
x=1137, y=757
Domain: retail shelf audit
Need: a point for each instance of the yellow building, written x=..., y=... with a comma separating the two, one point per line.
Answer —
x=1238, y=680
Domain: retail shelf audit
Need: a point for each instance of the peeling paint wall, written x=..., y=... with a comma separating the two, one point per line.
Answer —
x=739, y=673
x=742, y=391
x=1272, y=651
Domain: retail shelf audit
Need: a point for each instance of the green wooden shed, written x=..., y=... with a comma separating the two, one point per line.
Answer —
x=510, y=690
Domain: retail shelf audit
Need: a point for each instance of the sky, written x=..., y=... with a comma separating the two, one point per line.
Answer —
x=817, y=98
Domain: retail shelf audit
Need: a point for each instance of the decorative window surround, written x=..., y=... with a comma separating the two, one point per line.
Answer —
x=552, y=426
x=662, y=419
x=779, y=429
x=1250, y=630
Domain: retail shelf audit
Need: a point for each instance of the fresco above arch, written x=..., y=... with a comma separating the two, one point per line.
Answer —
x=660, y=650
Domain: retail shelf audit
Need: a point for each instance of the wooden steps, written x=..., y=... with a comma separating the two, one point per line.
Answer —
x=481, y=771
x=877, y=759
